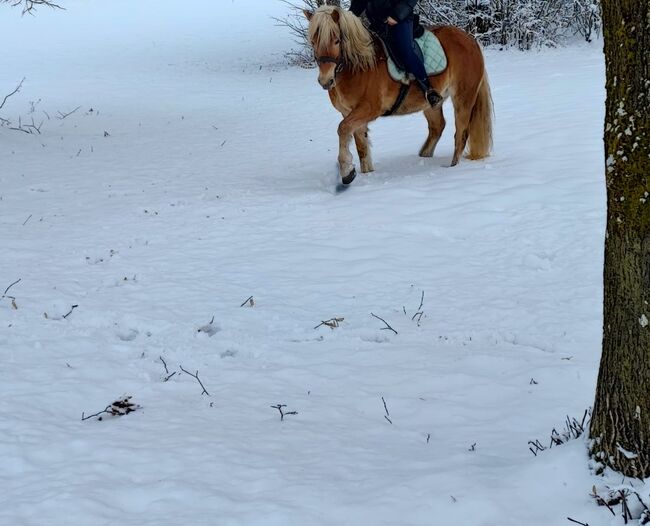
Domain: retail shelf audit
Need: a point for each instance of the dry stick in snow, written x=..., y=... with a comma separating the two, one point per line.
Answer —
x=387, y=415
x=577, y=522
x=248, y=300
x=96, y=414
x=30, y=216
x=4, y=295
x=282, y=413
x=64, y=115
x=28, y=128
x=205, y=391
x=20, y=85
x=166, y=370
x=388, y=327
x=332, y=323
x=71, y=309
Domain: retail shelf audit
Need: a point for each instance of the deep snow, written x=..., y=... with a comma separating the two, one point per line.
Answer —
x=214, y=183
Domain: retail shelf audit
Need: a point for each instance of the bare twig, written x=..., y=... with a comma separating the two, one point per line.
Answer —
x=387, y=415
x=30, y=216
x=250, y=301
x=166, y=378
x=577, y=522
x=164, y=364
x=65, y=115
x=120, y=407
x=30, y=6
x=388, y=327
x=96, y=414
x=70, y=312
x=205, y=391
x=4, y=295
x=282, y=413
x=332, y=323
x=20, y=85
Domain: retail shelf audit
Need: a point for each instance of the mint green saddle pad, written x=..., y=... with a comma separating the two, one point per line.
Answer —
x=435, y=60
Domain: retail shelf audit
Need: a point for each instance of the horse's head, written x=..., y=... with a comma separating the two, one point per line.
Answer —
x=325, y=37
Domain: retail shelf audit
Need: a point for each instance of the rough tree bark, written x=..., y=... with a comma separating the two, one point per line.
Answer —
x=621, y=420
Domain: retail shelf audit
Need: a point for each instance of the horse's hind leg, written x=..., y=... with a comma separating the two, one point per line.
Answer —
x=463, y=111
x=363, y=149
x=436, y=121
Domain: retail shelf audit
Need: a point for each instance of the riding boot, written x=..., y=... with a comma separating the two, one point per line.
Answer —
x=432, y=96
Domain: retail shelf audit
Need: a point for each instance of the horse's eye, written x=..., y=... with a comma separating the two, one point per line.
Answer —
x=337, y=42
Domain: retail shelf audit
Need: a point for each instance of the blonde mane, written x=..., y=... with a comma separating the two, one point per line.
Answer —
x=357, y=46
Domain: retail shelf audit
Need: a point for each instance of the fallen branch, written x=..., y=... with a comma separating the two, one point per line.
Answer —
x=120, y=407
x=205, y=391
x=166, y=378
x=62, y=115
x=282, y=413
x=20, y=85
x=387, y=415
x=387, y=328
x=250, y=301
x=70, y=312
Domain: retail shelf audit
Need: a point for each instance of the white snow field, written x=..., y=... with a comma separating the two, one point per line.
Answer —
x=199, y=170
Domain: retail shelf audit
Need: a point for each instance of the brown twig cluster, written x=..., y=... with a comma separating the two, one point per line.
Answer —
x=573, y=429
x=624, y=497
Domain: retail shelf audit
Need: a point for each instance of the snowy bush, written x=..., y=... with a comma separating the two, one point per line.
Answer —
x=524, y=24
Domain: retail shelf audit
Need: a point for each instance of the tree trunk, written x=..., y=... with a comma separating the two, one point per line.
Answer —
x=621, y=420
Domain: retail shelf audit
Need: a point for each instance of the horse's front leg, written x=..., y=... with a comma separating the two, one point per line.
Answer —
x=356, y=119
x=363, y=149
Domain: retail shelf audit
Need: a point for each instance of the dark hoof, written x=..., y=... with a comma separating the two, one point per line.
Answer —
x=350, y=177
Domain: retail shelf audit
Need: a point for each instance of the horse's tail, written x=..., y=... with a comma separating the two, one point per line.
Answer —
x=480, y=123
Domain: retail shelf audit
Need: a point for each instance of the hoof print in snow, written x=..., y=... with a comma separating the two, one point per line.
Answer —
x=122, y=406
x=127, y=335
x=228, y=354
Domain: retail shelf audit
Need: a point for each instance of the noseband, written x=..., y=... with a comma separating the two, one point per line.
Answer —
x=326, y=59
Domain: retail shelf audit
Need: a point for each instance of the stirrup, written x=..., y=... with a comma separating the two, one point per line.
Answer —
x=433, y=97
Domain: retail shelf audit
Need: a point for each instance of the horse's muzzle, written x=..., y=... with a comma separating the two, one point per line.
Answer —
x=327, y=85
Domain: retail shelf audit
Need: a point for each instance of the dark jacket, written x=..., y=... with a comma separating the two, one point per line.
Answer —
x=379, y=10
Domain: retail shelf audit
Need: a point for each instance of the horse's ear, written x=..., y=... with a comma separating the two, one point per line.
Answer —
x=308, y=14
x=336, y=15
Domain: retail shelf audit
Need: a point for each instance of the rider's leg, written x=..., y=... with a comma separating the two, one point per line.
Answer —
x=400, y=38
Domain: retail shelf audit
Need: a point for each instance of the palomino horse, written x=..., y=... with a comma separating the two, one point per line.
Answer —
x=352, y=67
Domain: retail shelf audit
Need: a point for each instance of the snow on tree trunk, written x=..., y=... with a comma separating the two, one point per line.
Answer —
x=621, y=420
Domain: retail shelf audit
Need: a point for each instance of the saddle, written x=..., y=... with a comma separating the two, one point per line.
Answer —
x=418, y=32
x=426, y=45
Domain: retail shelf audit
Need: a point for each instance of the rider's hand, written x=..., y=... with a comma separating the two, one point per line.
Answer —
x=391, y=21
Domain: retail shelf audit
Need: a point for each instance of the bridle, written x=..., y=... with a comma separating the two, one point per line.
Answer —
x=327, y=59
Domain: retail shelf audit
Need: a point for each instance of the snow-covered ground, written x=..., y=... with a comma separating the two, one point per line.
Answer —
x=199, y=171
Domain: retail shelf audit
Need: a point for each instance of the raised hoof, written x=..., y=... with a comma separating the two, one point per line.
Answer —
x=350, y=177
